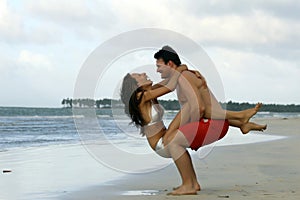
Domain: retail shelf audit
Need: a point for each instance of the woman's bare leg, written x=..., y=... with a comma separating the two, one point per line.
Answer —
x=250, y=126
x=213, y=109
x=247, y=127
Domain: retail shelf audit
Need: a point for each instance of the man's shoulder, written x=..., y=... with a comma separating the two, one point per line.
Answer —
x=187, y=79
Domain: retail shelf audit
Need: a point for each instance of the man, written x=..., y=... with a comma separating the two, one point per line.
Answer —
x=189, y=129
x=191, y=110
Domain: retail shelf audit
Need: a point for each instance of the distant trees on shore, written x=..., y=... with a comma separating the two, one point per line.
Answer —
x=266, y=107
x=174, y=105
x=90, y=103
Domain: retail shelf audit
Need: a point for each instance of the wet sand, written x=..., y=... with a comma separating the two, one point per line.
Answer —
x=266, y=170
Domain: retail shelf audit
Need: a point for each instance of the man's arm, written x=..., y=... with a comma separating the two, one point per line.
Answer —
x=180, y=119
x=190, y=101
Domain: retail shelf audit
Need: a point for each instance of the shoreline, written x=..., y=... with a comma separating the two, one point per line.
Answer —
x=268, y=170
x=48, y=172
x=262, y=170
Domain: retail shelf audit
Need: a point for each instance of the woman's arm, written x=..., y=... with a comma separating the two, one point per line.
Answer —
x=164, y=89
x=160, y=84
x=164, y=82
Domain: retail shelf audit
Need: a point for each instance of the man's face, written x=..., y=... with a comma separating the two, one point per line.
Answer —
x=163, y=69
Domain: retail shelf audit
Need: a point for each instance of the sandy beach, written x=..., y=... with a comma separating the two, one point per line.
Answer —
x=267, y=170
x=263, y=170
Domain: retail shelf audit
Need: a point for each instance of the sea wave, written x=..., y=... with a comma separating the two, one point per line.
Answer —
x=42, y=116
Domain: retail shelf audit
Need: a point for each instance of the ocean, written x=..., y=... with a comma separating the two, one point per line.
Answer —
x=30, y=127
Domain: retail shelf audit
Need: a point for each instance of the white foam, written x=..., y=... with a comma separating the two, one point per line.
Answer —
x=235, y=137
x=140, y=192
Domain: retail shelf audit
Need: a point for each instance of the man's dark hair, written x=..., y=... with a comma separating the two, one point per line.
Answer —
x=168, y=54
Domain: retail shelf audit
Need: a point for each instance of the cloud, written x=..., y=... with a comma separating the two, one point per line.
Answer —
x=33, y=79
x=220, y=23
x=251, y=77
x=255, y=24
x=41, y=22
x=10, y=23
x=17, y=28
x=34, y=60
x=253, y=43
x=83, y=19
x=59, y=10
x=288, y=9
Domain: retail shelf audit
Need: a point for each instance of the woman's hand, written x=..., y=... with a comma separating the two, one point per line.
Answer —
x=181, y=68
x=197, y=73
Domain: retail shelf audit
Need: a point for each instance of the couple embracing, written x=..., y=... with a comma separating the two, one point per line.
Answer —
x=200, y=121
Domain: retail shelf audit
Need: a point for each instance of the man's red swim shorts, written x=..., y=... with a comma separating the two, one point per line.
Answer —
x=204, y=132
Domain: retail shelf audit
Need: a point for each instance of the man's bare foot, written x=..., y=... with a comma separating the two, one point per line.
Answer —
x=250, y=126
x=250, y=113
x=184, y=190
x=197, y=187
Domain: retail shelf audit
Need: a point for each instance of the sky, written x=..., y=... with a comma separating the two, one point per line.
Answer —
x=254, y=45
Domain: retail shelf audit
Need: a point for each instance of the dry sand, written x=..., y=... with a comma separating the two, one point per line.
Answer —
x=268, y=170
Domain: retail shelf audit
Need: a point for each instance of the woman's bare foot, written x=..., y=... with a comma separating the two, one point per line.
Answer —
x=250, y=113
x=184, y=190
x=250, y=126
x=196, y=185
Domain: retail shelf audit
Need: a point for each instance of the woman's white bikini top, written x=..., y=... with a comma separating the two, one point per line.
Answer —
x=156, y=114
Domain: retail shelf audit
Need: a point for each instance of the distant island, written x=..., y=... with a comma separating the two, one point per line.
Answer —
x=174, y=105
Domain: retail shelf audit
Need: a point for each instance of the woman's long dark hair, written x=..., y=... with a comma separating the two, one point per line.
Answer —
x=131, y=100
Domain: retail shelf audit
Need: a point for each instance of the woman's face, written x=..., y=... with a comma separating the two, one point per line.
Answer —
x=141, y=79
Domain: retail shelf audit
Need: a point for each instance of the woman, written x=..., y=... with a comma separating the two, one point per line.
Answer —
x=141, y=105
